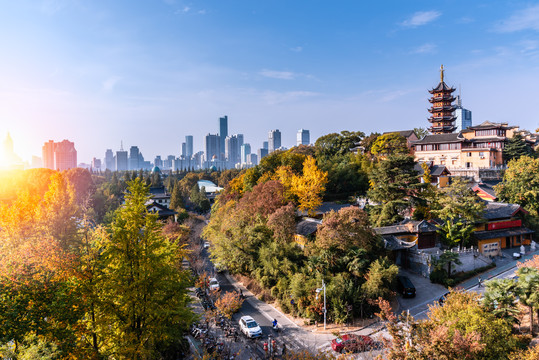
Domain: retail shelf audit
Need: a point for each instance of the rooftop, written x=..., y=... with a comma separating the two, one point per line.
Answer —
x=493, y=234
x=498, y=210
x=440, y=138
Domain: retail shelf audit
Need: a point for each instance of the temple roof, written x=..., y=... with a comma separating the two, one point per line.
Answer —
x=442, y=86
x=498, y=210
x=440, y=138
x=403, y=133
x=490, y=125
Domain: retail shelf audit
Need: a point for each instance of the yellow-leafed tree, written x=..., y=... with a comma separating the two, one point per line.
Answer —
x=310, y=187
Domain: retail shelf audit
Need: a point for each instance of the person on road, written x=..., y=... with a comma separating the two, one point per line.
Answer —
x=274, y=323
x=479, y=282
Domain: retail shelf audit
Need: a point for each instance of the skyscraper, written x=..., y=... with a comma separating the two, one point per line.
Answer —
x=265, y=145
x=109, y=160
x=47, y=152
x=59, y=156
x=188, y=146
x=232, y=149
x=261, y=153
x=212, y=146
x=65, y=155
x=96, y=164
x=134, y=155
x=463, y=117
x=184, y=150
x=158, y=162
x=121, y=160
x=245, y=153
x=223, y=133
x=303, y=137
x=274, y=140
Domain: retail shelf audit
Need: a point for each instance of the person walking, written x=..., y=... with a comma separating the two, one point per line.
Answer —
x=479, y=284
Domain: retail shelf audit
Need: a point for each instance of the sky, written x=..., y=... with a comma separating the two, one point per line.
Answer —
x=148, y=73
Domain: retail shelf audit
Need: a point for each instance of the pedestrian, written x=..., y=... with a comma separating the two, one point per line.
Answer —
x=479, y=282
x=284, y=350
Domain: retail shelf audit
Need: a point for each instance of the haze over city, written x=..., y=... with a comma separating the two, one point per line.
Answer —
x=150, y=73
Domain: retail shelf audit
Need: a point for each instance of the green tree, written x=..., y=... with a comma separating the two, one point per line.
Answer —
x=176, y=198
x=455, y=232
x=458, y=201
x=393, y=185
x=528, y=291
x=144, y=295
x=520, y=184
x=501, y=298
x=331, y=145
x=390, y=144
x=381, y=275
x=515, y=148
x=420, y=132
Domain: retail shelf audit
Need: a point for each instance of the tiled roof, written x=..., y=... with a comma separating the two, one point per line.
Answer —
x=442, y=86
x=498, y=210
x=403, y=133
x=435, y=170
x=406, y=227
x=307, y=227
x=393, y=243
x=325, y=208
x=493, y=234
x=440, y=138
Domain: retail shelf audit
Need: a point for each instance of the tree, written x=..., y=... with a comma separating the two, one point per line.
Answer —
x=381, y=275
x=349, y=227
x=460, y=329
x=501, y=297
x=528, y=291
x=334, y=144
x=390, y=144
x=421, y=132
x=283, y=223
x=229, y=303
x=520, y=184
x=144, y=297
x=455, y=232
x=176, y=198
x=515, y=148
x=531, y=263
x=310, y=186
x=458, y=201
x=393, y=185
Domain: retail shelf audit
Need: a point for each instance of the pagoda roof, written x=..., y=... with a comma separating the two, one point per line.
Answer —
x=442, y=86
x=404, y=133
x=440, y=138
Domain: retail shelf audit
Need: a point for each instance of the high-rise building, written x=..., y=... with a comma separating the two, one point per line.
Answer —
x=96, y=164
x=158, y=162
x=442, y=119
x=303, y=137
x=245, y=153
x=121, y=160
x=233, y=145
x=47, y=152
x=265, y=145
x=463, y=117
x=274, y=140
x=134, y=158
x=253, y=159
x=109, y=160
x=212, y=146
x=261, y=153
x=188, y=146
x=65, y=155
x=36, y=162
x=184, y=150
x=223, y=133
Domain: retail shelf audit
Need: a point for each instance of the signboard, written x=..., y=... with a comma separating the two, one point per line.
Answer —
x=504, y=225
x=491, y=249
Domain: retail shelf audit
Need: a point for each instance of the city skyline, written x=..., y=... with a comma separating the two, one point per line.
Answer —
x=149, y=74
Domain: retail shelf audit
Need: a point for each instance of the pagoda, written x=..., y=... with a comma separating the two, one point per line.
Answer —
x=442, y=118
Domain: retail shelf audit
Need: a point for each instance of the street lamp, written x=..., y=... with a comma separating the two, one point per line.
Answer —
x=323, y=288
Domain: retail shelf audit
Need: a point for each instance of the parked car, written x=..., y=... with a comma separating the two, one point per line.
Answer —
x=214, y=285
x=442, y=298
x=405, y=286
x=250, y=327
x=206, y=244
x=352, y=343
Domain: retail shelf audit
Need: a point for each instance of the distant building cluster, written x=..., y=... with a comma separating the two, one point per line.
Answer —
x=221, y=151
x=59, y=155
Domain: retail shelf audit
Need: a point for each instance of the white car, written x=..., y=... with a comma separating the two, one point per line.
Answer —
x=206, y=244
x=214, y=285
x=250, y=327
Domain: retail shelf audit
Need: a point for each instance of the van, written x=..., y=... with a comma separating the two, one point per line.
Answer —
x=405, y=286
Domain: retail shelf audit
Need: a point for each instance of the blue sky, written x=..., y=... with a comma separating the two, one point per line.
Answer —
x=151, y=72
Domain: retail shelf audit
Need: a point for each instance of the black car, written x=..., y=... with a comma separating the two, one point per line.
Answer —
x=405, y=286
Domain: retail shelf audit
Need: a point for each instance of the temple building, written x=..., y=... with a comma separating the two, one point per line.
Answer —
x=477, y=147
x=442, y=110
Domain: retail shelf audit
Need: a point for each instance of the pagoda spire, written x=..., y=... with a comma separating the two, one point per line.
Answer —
x=442, y=108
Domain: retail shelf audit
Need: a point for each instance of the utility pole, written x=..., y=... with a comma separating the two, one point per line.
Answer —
x=323, y=288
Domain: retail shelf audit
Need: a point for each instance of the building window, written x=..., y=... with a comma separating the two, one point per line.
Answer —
x=482, y=154
x=469, y=154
